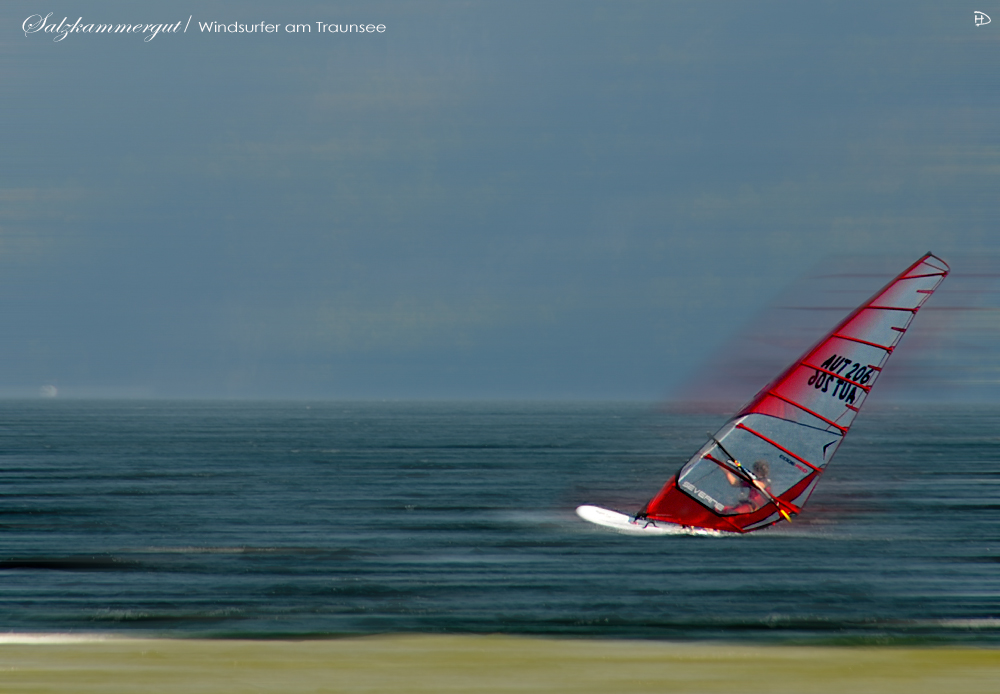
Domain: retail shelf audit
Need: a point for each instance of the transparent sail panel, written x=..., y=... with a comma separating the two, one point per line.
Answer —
x=878, y=327
x=711, y=477
x=907, y=293
x=802, y=446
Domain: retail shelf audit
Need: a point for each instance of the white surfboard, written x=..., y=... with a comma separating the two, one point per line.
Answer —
x=623, y=523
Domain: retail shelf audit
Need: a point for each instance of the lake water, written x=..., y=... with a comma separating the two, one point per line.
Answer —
x=321, y=519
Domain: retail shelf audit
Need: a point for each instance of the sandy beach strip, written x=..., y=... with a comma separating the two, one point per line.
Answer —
x=442, y=664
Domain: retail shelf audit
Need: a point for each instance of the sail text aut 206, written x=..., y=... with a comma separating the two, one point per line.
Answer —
x=763, y=464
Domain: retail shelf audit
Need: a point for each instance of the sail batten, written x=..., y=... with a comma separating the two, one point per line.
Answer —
x=932, y=274
x=847, y=380
x=808, y=411
x=891, y=308
x=786, y=435
x=777, y=445
x=863, y=342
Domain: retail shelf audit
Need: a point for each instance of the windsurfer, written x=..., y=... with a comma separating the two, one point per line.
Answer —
x=757, y=492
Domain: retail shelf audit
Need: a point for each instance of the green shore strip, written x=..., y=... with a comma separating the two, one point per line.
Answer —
x=463, y=664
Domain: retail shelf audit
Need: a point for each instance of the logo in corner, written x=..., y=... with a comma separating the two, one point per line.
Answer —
x=981, y=18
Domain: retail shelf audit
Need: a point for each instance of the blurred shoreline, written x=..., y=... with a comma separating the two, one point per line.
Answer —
x=443, y=663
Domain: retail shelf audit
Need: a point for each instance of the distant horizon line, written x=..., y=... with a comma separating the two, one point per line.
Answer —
x=665, y=403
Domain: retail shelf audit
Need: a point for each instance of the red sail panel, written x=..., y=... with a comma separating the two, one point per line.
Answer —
x=787, y=434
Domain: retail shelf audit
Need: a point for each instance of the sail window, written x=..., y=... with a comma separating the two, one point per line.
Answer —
x=712, y=479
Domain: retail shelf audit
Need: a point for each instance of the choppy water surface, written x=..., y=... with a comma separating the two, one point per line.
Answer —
x=288, y=519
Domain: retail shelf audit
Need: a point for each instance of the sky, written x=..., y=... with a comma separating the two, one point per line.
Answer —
x=518, y=200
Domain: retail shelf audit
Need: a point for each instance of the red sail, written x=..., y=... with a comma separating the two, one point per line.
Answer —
x=765, y=462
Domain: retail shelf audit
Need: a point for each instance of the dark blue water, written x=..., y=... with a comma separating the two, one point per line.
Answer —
x=292, y=519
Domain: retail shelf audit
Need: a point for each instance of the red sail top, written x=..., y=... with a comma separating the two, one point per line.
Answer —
x=787, y=434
